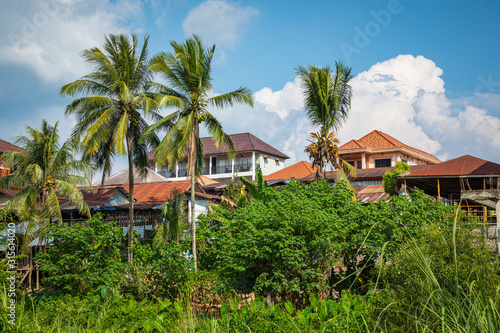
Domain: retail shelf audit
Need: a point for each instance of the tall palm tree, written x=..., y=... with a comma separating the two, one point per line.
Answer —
x=112, y=117
x=327, y=97
x=188, y=72
x=43, y=174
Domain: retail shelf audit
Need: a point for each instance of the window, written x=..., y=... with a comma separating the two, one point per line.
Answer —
x=265, y=162
x=404, y=161
x=351, y=162
x=386, y=162
x=277, y=163
x=359, y=165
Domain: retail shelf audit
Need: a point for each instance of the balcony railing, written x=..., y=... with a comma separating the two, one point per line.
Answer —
x=220, y=169
x=242, y=167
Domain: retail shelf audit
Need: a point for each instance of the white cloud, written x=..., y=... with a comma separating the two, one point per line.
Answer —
x=284, y=101
x=404, y=97
x=48, y=36
x=219, y=22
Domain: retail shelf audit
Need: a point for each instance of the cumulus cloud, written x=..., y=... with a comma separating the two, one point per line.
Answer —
x=47, y=36
x=284, y=101
x=404, y=97
x=219, y=22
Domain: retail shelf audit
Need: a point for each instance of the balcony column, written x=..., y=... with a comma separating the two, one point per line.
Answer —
x=232, y=166
x=363, y=161
x=210, y=166
x=253, y=165
x=176, y=170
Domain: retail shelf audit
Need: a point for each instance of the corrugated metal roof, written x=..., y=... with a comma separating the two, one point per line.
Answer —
x=122, y=178
x=371, y=193
x=466, y=165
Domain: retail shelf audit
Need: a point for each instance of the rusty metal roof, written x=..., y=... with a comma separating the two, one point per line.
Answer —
x=466, y=165
x=371, y=193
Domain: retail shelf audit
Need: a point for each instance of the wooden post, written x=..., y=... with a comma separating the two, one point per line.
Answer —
x=405, y=187
x=498, y=223
x=439, y=189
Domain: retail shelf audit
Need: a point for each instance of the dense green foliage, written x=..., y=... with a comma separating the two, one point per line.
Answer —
x=390, y=180
x=311, y=238
x=44, y=174
x=82, y=257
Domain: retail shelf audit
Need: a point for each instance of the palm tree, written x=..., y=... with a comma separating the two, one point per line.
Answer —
x=174, y=219
x=327, y=103
x=43, y=175
x=112, y=118
x=188, y=72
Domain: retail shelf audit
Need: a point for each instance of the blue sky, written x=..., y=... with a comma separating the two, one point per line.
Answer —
x=427, y=72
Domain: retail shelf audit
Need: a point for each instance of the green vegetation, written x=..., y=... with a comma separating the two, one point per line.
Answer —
x=44, y=175
x=392, y=184
x=188, y=71
x=112, y=119
x=311, y=259
x=299, y=258
x=327, y=103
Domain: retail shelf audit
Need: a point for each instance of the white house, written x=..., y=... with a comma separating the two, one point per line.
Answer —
x=252, y=154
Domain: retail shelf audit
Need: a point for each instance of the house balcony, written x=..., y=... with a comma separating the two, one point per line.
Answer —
x=215, y=172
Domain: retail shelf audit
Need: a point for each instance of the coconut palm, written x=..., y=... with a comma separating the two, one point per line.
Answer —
x=174, y=219
x=188, y=72
x=327, y=99
x=43, y=176
x=112, y=117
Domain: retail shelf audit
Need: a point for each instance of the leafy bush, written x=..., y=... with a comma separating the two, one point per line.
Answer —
x=158, y=270
x=82, y=257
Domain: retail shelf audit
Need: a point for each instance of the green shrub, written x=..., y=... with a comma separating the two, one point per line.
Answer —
x=82, y=257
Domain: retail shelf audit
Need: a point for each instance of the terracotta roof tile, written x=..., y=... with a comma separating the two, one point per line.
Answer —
x=378, y=139
x=158, y=192
x=298, y=170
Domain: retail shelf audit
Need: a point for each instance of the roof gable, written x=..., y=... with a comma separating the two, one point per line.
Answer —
x=377, y=139
x=122, y=178
x=242, y=142
x=6, y=146
x=298, y=170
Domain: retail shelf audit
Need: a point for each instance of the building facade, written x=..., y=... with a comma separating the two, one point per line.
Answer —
x=252, y=154
x=379, y=150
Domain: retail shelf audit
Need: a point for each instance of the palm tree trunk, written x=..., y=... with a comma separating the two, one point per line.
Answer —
x=192, y=153
x=130, y=253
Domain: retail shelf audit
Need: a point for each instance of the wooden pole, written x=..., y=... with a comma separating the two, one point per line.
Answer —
x=405, y=187
x=439, y=189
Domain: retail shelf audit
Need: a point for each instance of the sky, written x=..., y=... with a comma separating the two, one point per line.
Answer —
x=425, y=72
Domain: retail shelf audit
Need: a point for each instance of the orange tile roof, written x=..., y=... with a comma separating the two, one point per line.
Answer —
x=158, y=192
x=298, y=170
x=379, y=139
